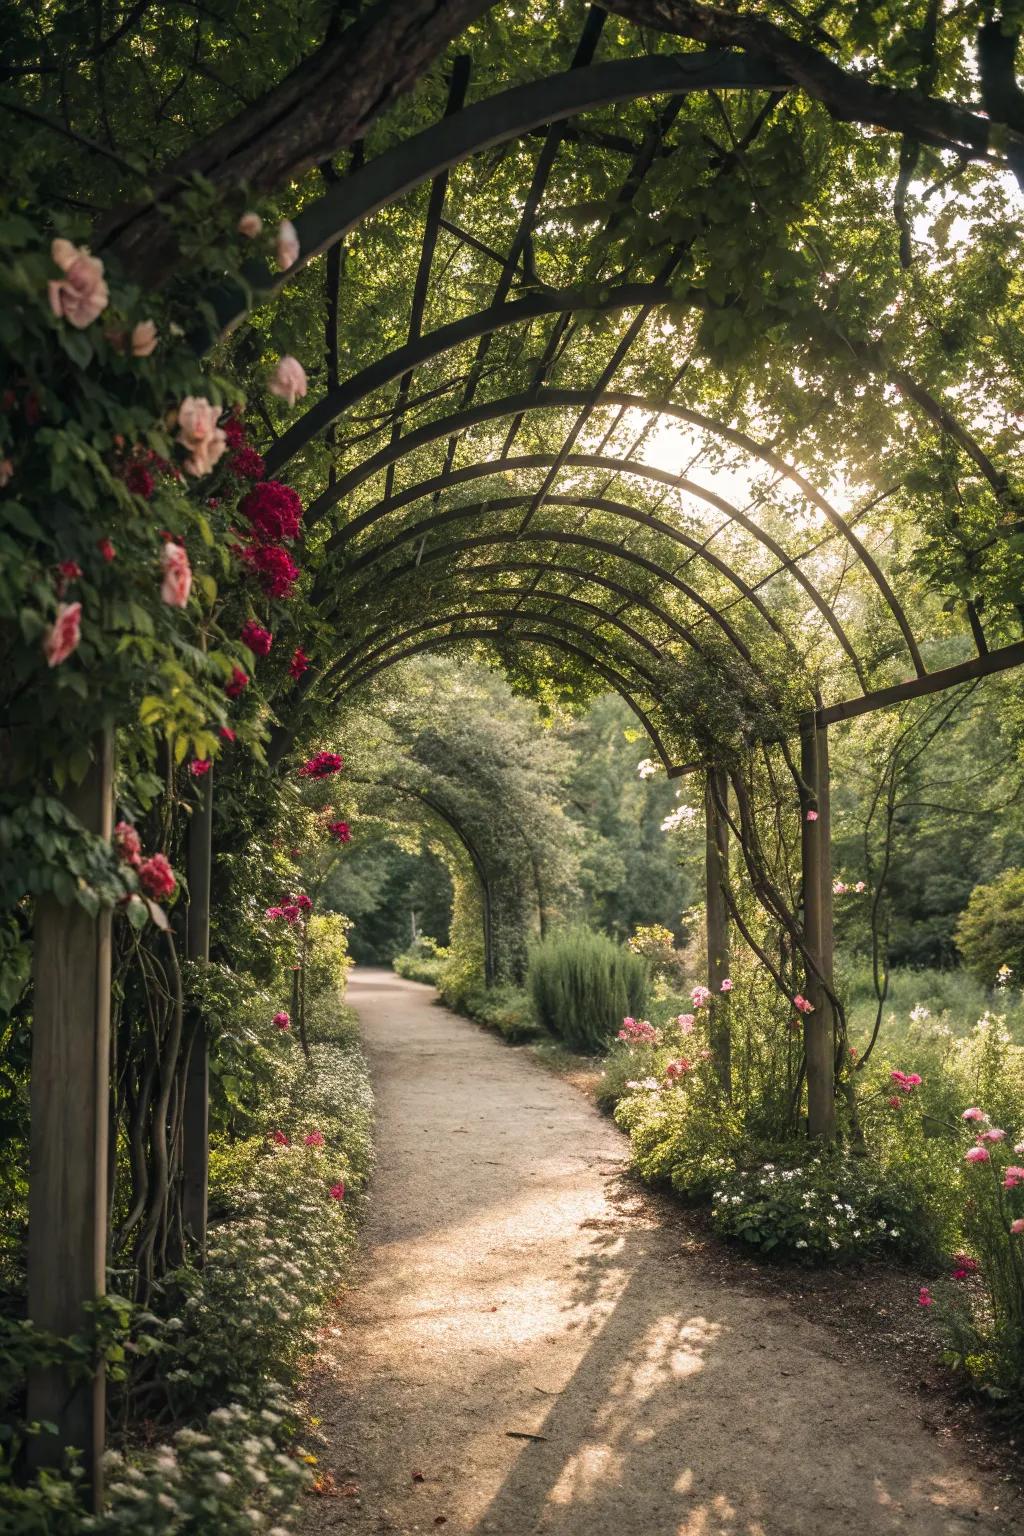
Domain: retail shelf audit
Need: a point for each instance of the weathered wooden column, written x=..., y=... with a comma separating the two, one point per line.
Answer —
x=195, y=1127
x=70, y=1087
x=816, y=857
x=716, y=873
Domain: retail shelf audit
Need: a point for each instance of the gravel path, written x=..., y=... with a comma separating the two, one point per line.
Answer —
x=527, y=1350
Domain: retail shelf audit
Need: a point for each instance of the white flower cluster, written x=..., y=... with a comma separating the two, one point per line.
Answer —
x=682, y=816
x=795, y=1208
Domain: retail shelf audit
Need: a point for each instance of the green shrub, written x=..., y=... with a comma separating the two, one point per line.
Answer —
x=683, y=1136
x=823, y=1210
x=990, y=934
x=506, y=1010
x=424, y=961
x=583, y=985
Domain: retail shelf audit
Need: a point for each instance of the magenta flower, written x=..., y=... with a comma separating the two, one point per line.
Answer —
x=686, y=1021
x=802, y=1005
x=700, y=996
x=321, y=765
x=258, y=639
x=974, y=1114
x=282, y=1020
x=995, y=1134
x=199, y=767
x=63, y=635
x=812, y=815
x=338, y=1191
x=678, y=1068
x=925, y=1297
x=1013, y=1177
x=726, y=985
x=1017, y=1226
x=280, y=1139
x=128, y=843
x=976, y=1155
x=314, y=1139
x=157, y=877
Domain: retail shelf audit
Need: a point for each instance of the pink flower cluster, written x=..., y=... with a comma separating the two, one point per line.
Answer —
x=686, y=1022
x=906, y=1082
x=340, y=831
x=701, y=995
x=282, y=1020
x=801, y=1004
x=637, y=1032
x=155, y=874
x=678, y=1068
x=321, y=765
x=291, y=910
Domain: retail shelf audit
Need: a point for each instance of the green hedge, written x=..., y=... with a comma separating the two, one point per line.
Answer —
x=583, y=985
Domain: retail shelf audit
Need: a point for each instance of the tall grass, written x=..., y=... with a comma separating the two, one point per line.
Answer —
x=583, y=985
x=952, y=997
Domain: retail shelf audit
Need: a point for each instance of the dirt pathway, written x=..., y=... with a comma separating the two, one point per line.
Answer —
x=513, y=1287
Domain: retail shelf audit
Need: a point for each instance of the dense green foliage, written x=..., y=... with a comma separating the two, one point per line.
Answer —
x=583, y=985
x=991, y=932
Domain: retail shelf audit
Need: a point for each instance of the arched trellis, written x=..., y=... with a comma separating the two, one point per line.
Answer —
x=410, y=164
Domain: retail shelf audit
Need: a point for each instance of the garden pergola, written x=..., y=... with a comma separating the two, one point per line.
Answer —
x=570, y=539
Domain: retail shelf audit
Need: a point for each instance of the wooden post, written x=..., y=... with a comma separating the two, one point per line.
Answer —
x=70, y=1088
x=816, y=857
x=717, y=870
x=195, y=1129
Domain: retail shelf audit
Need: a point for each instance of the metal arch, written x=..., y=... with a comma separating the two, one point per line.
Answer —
x=563, y=536
x=577, y=572
x=366, y=652
x=548, y=399
x=604, y=504
x=613, y=678
x=386, y=370
x=495, y=120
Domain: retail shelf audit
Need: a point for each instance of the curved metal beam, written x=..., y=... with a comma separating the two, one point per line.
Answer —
x=601, y=504
x=555, y=536
x=551, y=399
x=358, y=657
x=495, y=120
x=386, y=370
x=618, y=683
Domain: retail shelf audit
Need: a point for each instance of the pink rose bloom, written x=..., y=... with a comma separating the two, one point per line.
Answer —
x=860, y=887
x=287, y=245
x=726, y=985
x=338, y=1191
x=993, y=1135
x=144, y=338
x=199, y=767
x=157, y=877
x=199, y=434
x=925, y=1297
x=974, y=1114
x=802, y=1005
x=81, y=295
x=812, y=815
x=280, y=1139
x=677, y=1068
x=314, y=1139
x=250, y=225
x=700, y=996
x=976, y=1155
x=1013, y=1177
x=282, y=1020
x=686, y=1021
x=1017, y=1226
x=63, y=635
x=177, y=582
x=127, y=843
x=288, y=381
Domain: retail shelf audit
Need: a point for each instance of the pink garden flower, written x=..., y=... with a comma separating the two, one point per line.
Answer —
x=637, y=1031
x=144, y=338
x=199, y=434
x=1017, y=1226
x=974, y=1114
x=258, y=639
x=298, y=664
x=177, y=582
x=906, y=1082
x=287, y=245
x=107, y=550
x=1013, y=1177
x=925, y=1297
x=288, y=381
x=280, y=1138
x=700, y=996
x=314, y=1139
x=686, y=1022
x=340, y=831
x=303, y=903
x=250, y=225
x=995, y=1134
x=81, y=295
x=127, y=843
x=199, y=767
x=238, y=684
x=976, y=1155
x=679, y=1068
x=801, y=1004
x=338, y=1191
x=726, y=985
x=157, y=877
x=63, y=635
x=282, y=1020
x=812, y=815
x=321, y=765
